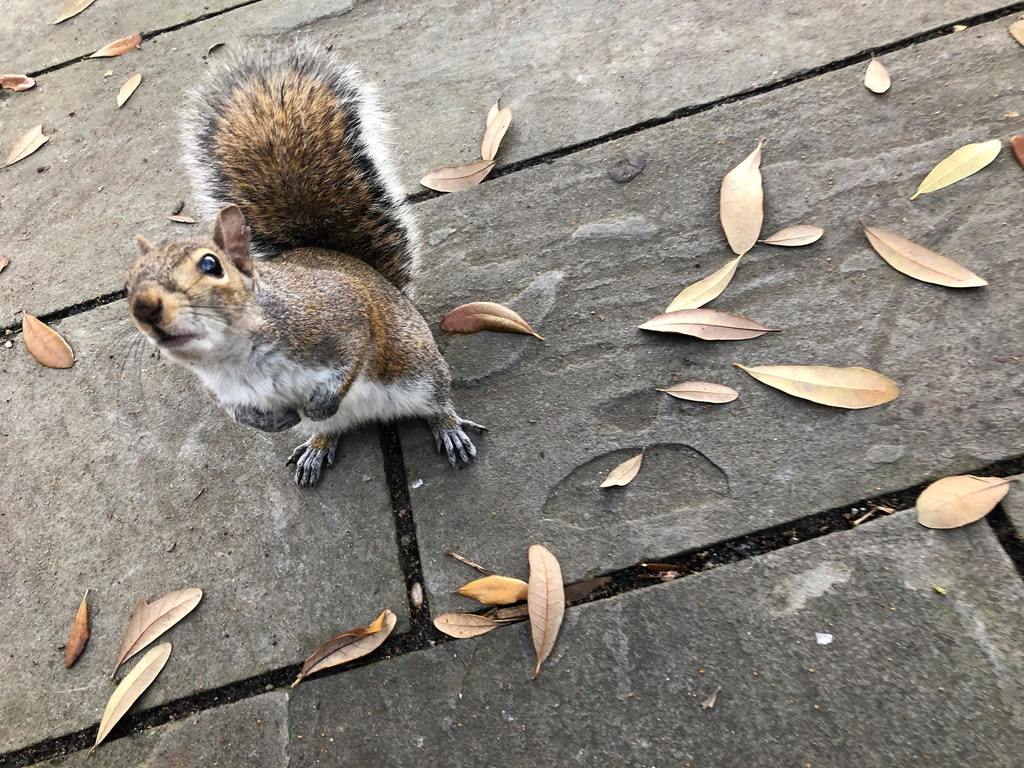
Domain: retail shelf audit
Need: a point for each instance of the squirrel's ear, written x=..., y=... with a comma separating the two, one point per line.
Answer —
x=232, y=237
x=144, y=245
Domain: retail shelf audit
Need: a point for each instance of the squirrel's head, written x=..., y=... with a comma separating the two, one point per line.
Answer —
x=189, y=296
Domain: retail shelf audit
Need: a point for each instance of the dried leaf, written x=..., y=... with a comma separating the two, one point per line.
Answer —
x=791, y=237
x=181, y=219
x=709, y=701
x=150, y=620
x=4, y=261
x=457, y=178
x=1017, y=145
x=707, y=324
x=580, y=590
x=961, y=499
x=495, y=132
x=134, y=685
x=876, y=78
x=838, y=387
x=491, y=114
x=546, y=602
x=71, y=8
x=702, y=392
x=29, y=142
x=742, y=203
x=919, y=262
x=118, y=47
x=79, y=634
x=128, y=89
x=495, y=590
x=463, y=625
x=486, y=316
x=700, y=293
x=1016, y=31
x=624, y=473
x=348, y=646
x=45, y=344
x=969, y=159
x=16, y=82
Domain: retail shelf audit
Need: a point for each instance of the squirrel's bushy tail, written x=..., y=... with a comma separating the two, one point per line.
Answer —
x=294, y=139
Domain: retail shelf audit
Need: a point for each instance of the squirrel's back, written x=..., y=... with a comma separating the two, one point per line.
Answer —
x=294, y=139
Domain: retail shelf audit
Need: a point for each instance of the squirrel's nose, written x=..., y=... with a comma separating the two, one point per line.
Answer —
x=147, y=306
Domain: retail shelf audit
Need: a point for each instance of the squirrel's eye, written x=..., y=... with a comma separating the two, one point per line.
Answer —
x=209, y=265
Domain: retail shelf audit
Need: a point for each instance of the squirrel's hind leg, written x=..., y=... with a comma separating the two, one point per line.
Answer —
x=452, y=440
x=311, y=457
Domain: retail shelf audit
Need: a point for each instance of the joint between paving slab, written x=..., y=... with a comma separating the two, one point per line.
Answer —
x=1010, y=538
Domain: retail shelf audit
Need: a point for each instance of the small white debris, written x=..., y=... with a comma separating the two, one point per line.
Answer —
x=8, y=345
x=416, y=595
x=418, y=483
x=709, y=701
x=823, y=638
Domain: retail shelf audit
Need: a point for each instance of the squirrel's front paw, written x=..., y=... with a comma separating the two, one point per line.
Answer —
x=310, y=457
x=453, y=441
x=268, y=421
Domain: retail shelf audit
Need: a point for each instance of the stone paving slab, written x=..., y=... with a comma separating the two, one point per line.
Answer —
x=570, y=72
x=1013, y=503
x=586, y=261
x=132, y=483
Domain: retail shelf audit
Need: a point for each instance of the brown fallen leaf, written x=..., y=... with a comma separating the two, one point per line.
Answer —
x=45, y=344
x=4, y=261
x=495, y=590
x=963, y=162
x=709, y=288
x=128, y=89
x=711, y=698
x=457, y=178
x=838, y=387
x=118, y=47
x=1017, y=145
x=29, y=142
x=150, y=620
x=1016, y=31
x=495, y=132
x=741, y=205
x=486, y=316
x=919, y=262
x=349, y=645
x=624, y=474
x=702, y=392
x=134, y=685
x=546, y=601
x=71, y=8
x=961, y=499
x=707, y=324
x=463, y=625
x=797, y=235
x=876, y=77
x=79, y=634
x=181, y=219
x=16, y=82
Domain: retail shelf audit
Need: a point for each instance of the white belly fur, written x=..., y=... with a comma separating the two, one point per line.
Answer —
x=372, y=401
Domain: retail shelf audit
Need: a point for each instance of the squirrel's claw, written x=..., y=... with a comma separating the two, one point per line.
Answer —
x=454, y=442
x=311, y=457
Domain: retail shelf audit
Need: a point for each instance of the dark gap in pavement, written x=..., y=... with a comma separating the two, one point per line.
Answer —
x=422, y=635
x=69, y=311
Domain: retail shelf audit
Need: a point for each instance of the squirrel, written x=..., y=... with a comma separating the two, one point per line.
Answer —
x=296, y=312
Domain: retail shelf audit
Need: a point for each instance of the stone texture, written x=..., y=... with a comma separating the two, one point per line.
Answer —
x=570, y=73
x=120, y=475
x=586, y=260
x=1013, y=503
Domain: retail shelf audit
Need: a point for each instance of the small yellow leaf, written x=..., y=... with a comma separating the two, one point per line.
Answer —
x=16, y=82
x=495, y=590
x=876, y=78
x=546, y=602
x=463, y=625
x=29, y=142
x=1016, y=30
x=969, y=159
x=797, y=235
x=134, y=685
x=118, y=47
x=45, y=344
x=495, y=132
x=919, y=262
x=457, y=178
x=71, y=8
x=837, y=387
x=707, y=324
x=702, y=392
x=624, y=473
x=480, y=316
x=700, y=293
x=741, y=205
x=128, y=89
x=958, y=500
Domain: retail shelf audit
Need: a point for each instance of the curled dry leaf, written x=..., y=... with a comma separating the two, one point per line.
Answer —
x=118, y=47
x=457, y=178
x=1016, y=31
x=876, y=78
x=79, y=634
x=495, y=590
x=45, y=344
x=4, y=261
x=741, y=206
x=128, y=89
x=959, y=500
x=16, y=82
x=707, y=324
x=837, y=387
x=496, y=128
x=181, y=219
x=347, y=646
x=624, y=473
x=700, y=293
x=486, y=316
x=71, y=8
x=150, y=620
x=1017, y=145
x=546, y=601
x=29, y=142
x=134, y=685
x=463, y=625
x=919, y=262
x=702, y=392
x=965, y=161
x=791, y=237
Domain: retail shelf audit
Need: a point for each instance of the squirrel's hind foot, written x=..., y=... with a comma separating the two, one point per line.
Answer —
x=311, y=457
x=452, y=440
